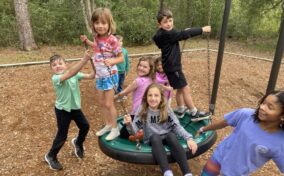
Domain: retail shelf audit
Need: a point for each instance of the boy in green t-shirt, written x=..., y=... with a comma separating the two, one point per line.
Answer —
x=123, y=67
x=67, y=107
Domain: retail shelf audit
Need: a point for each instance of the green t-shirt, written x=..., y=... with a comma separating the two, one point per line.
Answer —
x=67, y=92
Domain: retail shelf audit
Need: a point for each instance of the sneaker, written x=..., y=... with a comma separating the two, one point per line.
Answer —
x=168, y=173
x=53, y=162
x=113, y=134
x=180, y=114
x=78, y=150
x=199, y=115
x=104, y=130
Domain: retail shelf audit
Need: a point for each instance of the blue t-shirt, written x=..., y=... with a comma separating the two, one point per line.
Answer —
x=249, y=147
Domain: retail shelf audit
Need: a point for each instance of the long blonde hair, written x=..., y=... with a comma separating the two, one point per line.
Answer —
x=162, y=106
x=106, y=14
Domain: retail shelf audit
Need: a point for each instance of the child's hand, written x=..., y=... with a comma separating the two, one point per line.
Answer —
x=206, y=29
x=199, y=132
x=127, y=119
x=87, y=55
x=108, y=62
x=83, y=38
x=192, y=146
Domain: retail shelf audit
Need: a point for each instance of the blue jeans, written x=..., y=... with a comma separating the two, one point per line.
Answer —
x=63, y=121
x=120, y=82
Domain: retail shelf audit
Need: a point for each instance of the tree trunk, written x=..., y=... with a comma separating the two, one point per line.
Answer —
x=27, y=41
x=88, y=7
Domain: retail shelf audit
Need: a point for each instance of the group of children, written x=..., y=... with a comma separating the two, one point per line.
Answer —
x=151, y=112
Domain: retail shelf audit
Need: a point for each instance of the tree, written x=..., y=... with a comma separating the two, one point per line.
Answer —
x=88, y=7
x=27, y=41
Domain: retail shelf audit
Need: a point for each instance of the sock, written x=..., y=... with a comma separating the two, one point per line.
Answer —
x=168, y=173
x=193, y=111
x=181, y=108
x=188, y=174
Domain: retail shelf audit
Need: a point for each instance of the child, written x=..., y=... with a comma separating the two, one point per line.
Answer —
x=67, y=107
x=107, y=53
x=167, y=39
x=161, y=78
x=257, y=138
x=123, y=67
x=145, y=76
x=160, y=127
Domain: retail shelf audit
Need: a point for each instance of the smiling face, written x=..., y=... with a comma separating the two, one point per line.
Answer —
x=159, y=67
x=167, y=23
x=154, y=98
x=143, y=68
x=270, y=111
x=58, y=66
x=101, y=27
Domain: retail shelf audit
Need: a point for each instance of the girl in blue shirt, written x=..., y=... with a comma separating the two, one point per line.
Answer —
x=257, y=137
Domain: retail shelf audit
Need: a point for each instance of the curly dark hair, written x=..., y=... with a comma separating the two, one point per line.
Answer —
x=280, y=96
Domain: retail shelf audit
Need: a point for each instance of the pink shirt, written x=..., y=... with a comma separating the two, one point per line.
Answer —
x=161, y=78
x=142, y=84
x=105, y=48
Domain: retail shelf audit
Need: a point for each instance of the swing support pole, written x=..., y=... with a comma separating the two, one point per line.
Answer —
x=277, y=57
x=220, y=56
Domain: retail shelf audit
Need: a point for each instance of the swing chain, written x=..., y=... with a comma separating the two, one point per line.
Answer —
x=208, y=54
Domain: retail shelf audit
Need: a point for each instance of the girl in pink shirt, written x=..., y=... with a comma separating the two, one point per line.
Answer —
x=145, y=76
x=161, y=78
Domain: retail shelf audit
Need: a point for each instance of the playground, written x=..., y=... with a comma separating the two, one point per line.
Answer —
x=28, y=123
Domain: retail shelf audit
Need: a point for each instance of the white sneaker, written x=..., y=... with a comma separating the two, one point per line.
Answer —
x=113, y=134
x=104, y=130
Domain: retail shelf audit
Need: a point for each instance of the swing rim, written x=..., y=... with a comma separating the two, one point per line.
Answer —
x=145, y=157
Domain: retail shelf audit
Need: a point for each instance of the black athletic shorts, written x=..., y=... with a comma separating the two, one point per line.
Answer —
x=176, y=79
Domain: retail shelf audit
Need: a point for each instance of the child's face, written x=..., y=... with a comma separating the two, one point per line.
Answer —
x=143, y=68
x=101, y=27
x=270, y=110
x=120, y=43
x=58, y=66
x=167, y=23
x=154, y=98
x=159, y=67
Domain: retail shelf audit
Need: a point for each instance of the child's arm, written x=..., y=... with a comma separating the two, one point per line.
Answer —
x=76, y=68
x=214, y=126
x=127, y=90
x=117, y=60
x=89, y=76
x=85, y=39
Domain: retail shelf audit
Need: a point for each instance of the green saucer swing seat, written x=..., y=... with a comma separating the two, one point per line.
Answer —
x=125, y=150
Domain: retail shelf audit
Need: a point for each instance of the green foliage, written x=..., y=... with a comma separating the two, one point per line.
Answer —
x=137, y=24
x=61, y=21
x=57, y=21
x=8, y=30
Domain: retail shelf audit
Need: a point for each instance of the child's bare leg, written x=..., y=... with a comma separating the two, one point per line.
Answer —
x=185, y=92
x=102, y=105
x=180, y=101
x=110, y=108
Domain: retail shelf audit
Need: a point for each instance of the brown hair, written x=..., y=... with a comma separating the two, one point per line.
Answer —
x=164, y=13
x=157, y=61
x=151, y=64
x=162, y=106
x=104, y=13
x=54, y=58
